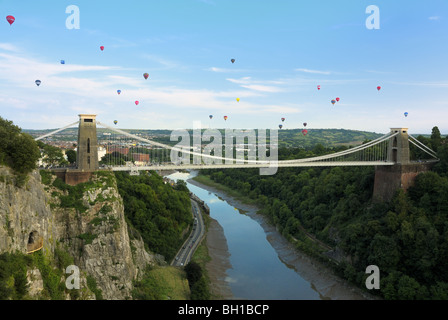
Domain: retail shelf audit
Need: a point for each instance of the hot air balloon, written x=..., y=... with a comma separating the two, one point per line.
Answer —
x=318, y=87
x=118, y=91
x=210, y=116
x=38, y=82
x=115, y=121
x=62, y=61
x=102, y=48
x=337, y=99
x=10, y=19
x=406, y=114
x=238, y=99
x=378, y=88
x=280, y=126
x=304, y=132
x=145, y=75
x=136, y=103
x=233, y=60
x=283, y=119
x=225, y=118
x=304, y=124
x=333, y=101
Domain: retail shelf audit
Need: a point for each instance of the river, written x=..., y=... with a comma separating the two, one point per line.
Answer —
x=260, y=263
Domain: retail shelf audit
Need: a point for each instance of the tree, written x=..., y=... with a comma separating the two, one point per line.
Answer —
x=17, y=150
x=441, y=167
x=194, y=272
x=436, y=138
x=71, y=156
x=52, y=156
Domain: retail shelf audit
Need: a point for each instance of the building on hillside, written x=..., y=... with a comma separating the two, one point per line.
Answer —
x=140, y=159
x=122, y=150
x=101, y=152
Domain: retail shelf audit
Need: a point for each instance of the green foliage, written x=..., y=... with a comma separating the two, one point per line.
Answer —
x=73, y=195
x=18, y=150
x=71, y=156
x=54, y=287
x=198, y=284
x=436, y=139
x=46, y=176
x=194, y=272
x=159, y=212
x=161, y=283
x=52, y=156
x=115, y=158
x=13, y=281
x=63, y=258
x=92, y=285
x=87, y=237
x=147, y=289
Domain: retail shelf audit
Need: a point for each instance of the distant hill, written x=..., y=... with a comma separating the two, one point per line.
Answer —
x=326, y=137
x=286, y=137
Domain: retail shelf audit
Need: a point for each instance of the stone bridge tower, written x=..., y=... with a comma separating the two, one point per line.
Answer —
x=388, y=179
x=87, y=152
x=398, y=150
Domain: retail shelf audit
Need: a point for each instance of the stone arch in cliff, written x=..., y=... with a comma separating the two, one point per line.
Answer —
x=35, y=242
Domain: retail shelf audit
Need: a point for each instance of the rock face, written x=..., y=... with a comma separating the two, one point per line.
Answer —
x=98, y=238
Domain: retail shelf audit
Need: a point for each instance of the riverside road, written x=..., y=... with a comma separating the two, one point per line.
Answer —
x=184, y=255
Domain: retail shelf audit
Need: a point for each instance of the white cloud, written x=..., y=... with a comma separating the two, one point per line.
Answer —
x=9, y=47
x=434, y=18
x=257, y=85
x=262, y=88
x=162, y=61
x=313, y=71
x=214, y=69
x=225, y=70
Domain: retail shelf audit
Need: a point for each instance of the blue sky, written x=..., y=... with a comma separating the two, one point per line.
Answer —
x=283, y=50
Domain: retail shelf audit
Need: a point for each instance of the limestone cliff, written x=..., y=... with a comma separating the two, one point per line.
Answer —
x=96, y=236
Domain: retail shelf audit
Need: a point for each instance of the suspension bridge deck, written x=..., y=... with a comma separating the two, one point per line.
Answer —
x=250, y=165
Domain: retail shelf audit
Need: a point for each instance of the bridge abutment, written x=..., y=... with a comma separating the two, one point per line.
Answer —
x=388, y=179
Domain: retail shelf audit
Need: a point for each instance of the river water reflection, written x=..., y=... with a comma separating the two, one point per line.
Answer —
x=257, y=272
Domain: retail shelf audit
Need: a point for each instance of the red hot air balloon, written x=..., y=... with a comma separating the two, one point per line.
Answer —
x=145, y=75
x=378, y=88
x=283, y=119
x=337, y=99
x=318, y=87
x=10, y=19
x=225, y=118
x=102, y=48
x=304, y=132
x=136, y=103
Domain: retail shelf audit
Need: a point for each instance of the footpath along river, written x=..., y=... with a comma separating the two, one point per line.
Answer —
x=251, y=260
